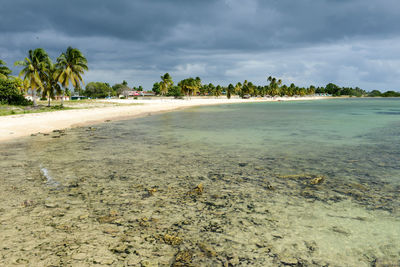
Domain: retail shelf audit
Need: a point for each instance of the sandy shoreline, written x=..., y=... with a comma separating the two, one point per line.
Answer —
x=16, y=126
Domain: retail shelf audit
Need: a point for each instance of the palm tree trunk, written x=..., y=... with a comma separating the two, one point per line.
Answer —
x=62, y=98
x=34, y=97
x=48, y=96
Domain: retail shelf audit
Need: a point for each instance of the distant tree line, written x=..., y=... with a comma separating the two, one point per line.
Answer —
x=39, y=75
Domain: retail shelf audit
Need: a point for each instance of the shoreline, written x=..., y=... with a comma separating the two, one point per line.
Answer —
x=18, y=126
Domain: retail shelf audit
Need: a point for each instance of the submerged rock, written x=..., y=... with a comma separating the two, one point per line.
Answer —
x=207, y=249
x=198, y=190
x=183, y=258
x=172, y=240
x=317, y=180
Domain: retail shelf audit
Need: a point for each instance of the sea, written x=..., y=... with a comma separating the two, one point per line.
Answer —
x=289, y=183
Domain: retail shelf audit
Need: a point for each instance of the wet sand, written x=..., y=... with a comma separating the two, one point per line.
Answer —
x=16, y=126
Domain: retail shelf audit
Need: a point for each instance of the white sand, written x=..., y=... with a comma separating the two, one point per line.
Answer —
x=15, y=126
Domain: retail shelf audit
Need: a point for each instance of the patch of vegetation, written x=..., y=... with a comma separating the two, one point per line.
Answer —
x=16, y=110
x=10, y=93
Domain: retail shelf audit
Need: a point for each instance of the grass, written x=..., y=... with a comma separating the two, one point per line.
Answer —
x=16, y=110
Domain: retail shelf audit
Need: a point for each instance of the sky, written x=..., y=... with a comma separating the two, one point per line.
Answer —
x=306, y=42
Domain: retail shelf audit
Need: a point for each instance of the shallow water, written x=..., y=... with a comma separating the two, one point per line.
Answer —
x=290, y=183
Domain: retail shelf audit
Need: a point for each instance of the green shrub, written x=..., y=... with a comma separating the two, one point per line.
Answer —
x=10, y=94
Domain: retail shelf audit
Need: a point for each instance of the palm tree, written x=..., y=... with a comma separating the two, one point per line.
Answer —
x=70, y=67
x=274, y=85
x=166, y=83
x=35, y=65
x=51, y=86
x=229, y=90
x=190, y=86
x=4, y=71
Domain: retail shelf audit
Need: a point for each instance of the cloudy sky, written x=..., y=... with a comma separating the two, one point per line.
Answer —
x=347, y=42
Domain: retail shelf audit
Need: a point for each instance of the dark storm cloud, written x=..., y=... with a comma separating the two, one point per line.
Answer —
x=306, y=41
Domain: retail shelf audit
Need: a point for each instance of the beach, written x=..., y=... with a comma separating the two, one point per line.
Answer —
x=296, y=183
x=16, y=126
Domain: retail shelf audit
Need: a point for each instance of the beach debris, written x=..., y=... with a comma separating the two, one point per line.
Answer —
x=183, y=258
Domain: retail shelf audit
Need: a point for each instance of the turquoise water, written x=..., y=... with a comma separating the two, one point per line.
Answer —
x=308, y=183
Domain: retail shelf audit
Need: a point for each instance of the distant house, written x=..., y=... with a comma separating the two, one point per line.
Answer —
x=133, y=93
x=59, y=97
x=28, y=97
x=148, y=93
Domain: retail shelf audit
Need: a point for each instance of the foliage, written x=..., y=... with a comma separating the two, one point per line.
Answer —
x=175, y=91
x=156, y=88
x=10, y=94
x=34, y=69
x=51, y=86
x=190, y=86
x=229, y=90
x=98, y=90
x=119, y=88
x=374, y=93
x=391, y=94
x=70, y=67
x=4, y=70
x=166, y=83
x=335, y=90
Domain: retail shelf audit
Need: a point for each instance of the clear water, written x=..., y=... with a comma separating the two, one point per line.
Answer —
x=308, y=183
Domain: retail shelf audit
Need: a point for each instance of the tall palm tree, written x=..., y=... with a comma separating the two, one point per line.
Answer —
x=70, y=67
x=51, y=85
x=274, y=85
x=4, y=71
x=229, y=90
x=166, y=83
x=35, y=65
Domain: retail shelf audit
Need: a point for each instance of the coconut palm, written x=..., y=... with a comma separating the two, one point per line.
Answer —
x=274, y=85
x=51, y=85
x=229, y=90
x=166, y=83
x=35, y=67
x=190, y=86
x=4, y=71
x=70, y=67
